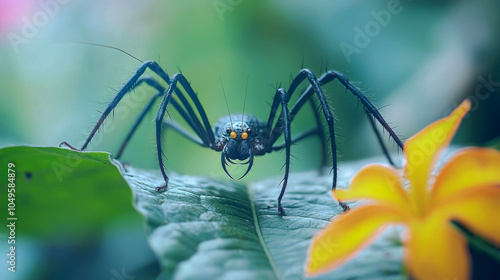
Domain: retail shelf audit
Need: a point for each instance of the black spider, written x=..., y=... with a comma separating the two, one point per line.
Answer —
x=250, y=137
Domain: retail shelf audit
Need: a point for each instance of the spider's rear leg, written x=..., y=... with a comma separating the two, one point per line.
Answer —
x=379, y=137
x=321, y=136
x=175, y=126
x=297, y=138
x=186, y=112
x=153, y=66
x=203, y=131
x=137, y=123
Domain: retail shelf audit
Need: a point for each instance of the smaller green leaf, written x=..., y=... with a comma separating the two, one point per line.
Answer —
x=479, y=243
x=495, y=143
x=60, y=192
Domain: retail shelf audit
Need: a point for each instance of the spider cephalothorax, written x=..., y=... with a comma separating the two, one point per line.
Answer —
x=247, y=136
x=239, y=140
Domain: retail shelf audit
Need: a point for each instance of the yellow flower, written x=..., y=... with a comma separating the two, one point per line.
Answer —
x=467, y=190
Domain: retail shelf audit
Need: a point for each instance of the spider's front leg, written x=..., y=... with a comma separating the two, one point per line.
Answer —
x=286, y=117
x=185, y=109
x=288, y=142
x=314, y=88
x=186, y=112
x=167, y=98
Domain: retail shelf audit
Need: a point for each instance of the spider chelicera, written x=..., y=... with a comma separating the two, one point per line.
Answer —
x=250, y=137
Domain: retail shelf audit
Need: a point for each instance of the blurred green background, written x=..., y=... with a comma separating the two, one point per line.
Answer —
x=419, y=62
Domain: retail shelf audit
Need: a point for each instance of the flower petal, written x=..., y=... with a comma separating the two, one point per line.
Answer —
x=477, y=209
x=422, y=151
x=376, y=182
x=347, y=234
x=436, y=250
x=469, y=168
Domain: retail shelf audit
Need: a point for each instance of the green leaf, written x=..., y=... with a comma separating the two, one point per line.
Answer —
x=60, y=192
x=199, y=228
x=494, y=143
x=479, y=243
x=203, y=229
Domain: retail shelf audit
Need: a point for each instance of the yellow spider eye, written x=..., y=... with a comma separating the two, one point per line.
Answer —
x=233, y=134
x=244, y=135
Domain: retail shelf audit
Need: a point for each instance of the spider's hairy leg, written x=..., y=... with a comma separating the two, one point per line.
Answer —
x=367, y=104
x=167, y=98
x=379, y=137
x=186, y=112
x=286, y=116
x=137, y=123
x=370, y=109
x=330, y=76
x=299, y=137
x=203, y=131
x=288, y=142
x=321, y=135
x=128, y=86
x=313, y=89
x=159, y=120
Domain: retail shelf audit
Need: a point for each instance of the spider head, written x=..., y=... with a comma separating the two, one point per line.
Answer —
x=238, y=138
x=238, y=141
